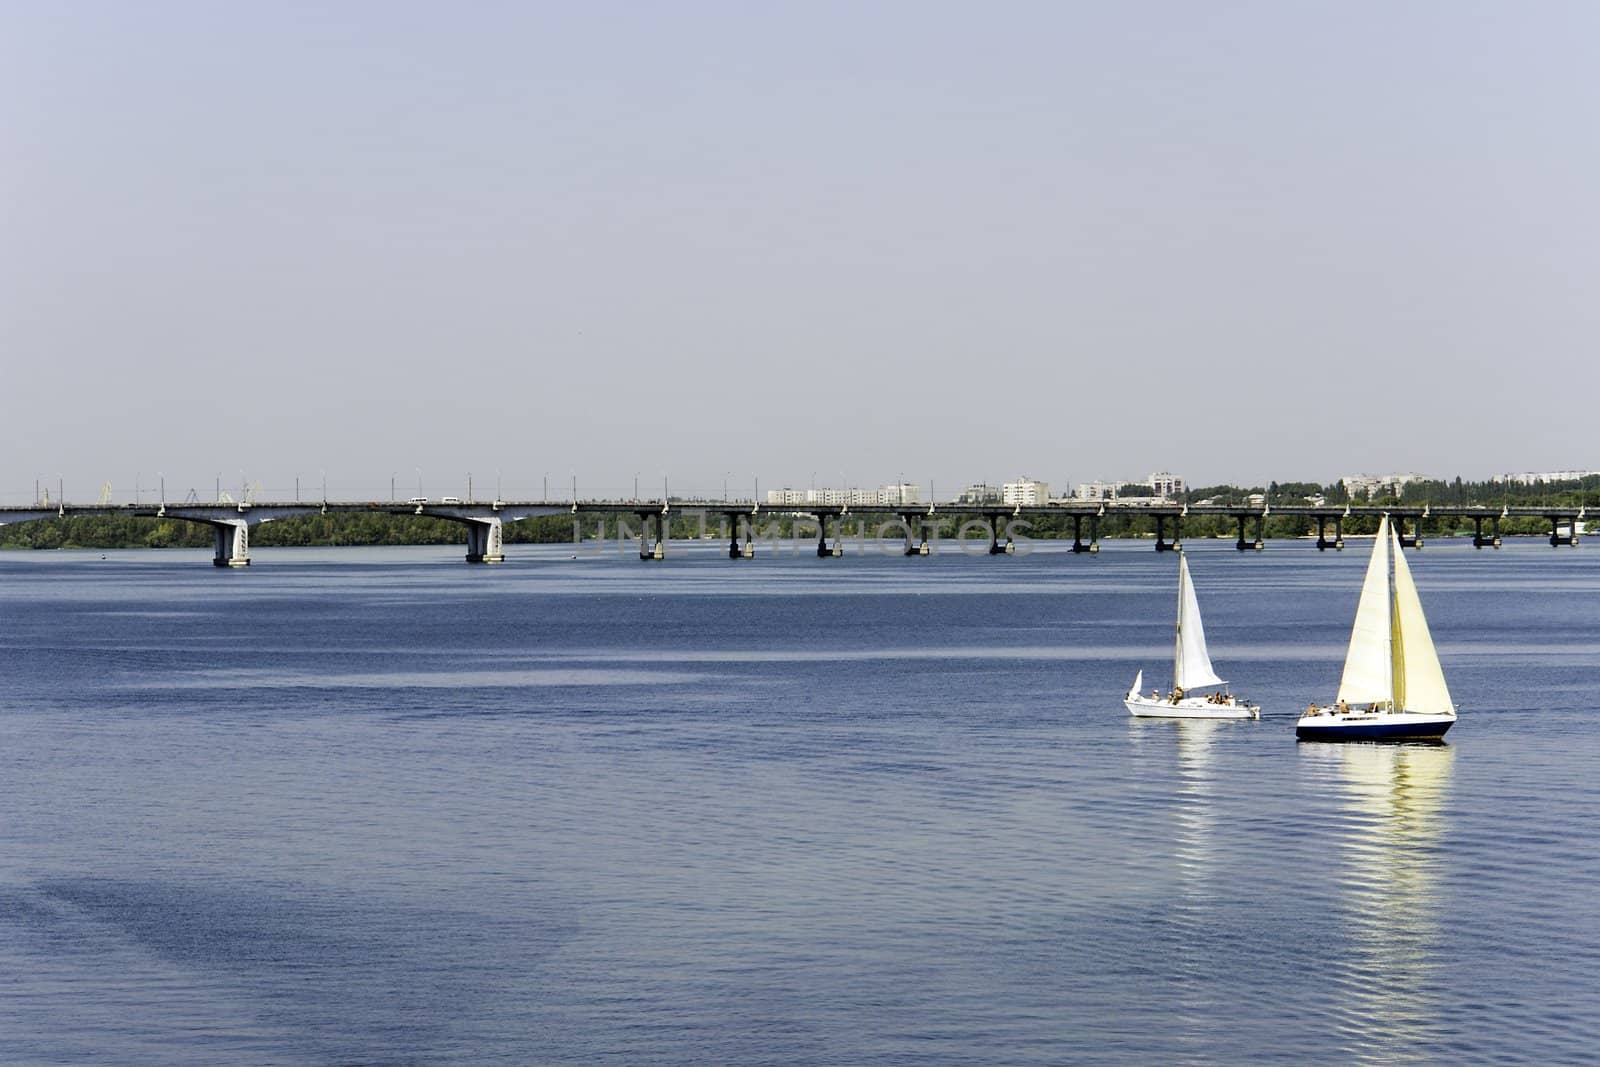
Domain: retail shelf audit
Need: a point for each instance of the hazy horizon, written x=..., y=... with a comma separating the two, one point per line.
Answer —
x=796, y=244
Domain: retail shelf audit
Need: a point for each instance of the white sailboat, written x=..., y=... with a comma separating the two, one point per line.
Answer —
x=1191, y=670
x=1393, y=687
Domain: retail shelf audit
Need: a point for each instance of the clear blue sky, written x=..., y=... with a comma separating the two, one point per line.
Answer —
x=1239, y=241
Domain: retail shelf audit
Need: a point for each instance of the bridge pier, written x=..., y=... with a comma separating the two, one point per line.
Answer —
x=916, y=543
x=1259, y=543
x=736, y=519
x=1556, y=539
x=485, y=540
x=825, y=550
x=1480, y=541
x=1323, y=543
x=1415, y=540
x=232, y=543
x=1163, y=545
x=1077, y=535
x=647, y=549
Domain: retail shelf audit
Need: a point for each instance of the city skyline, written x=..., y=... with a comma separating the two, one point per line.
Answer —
x=1023, y=490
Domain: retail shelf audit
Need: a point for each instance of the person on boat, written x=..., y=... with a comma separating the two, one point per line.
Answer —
x=1177, y=694
x=1312, y=709
x=1344, y=709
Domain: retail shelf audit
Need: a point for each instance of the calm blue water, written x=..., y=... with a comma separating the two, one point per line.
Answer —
x=377, y=806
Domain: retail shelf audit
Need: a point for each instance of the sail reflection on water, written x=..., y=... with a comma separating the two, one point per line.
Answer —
x=1194, y=848
x=1394, y=799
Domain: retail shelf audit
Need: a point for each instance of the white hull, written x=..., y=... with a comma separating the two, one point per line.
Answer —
x=1189, y=708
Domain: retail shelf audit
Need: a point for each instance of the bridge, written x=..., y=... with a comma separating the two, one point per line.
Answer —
x=485, y=521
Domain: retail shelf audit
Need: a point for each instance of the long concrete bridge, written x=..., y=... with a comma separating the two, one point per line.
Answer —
x=1004, y=524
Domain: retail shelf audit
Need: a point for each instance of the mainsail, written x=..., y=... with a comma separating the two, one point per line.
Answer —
x=1419, y=680
x=1191, y=666
x=1368, y=665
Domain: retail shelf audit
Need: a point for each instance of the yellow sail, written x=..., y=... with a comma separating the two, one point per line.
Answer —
x=1368, y=666
x=1419, y=678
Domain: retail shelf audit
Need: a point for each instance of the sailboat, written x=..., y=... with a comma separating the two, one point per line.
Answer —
x=1393, y=687
x=1191, y=669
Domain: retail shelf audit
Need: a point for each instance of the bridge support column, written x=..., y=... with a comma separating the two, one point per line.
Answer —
x=996, y=523
x=1478, y=538
x=1415, y=540
x=232, y=543
x=1322, y=532
x=825, y=550
x=649, y=549
x=1077, y=535
x=736, y=520
x=1162, y=544
x=916, y=536
x=485, y=541
x=1261, y=525
x=1556, y=537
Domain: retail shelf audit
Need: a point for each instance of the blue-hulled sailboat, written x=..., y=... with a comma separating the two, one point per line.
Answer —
x=1393, y=687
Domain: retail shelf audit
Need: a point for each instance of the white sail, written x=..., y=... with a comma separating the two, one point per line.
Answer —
x=1368, y=669
x=1192, y=666
x=1419, y=680
x=1138, y=684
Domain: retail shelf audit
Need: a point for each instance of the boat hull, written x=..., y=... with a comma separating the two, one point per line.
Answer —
x=1189, y=708
x=1373, y=726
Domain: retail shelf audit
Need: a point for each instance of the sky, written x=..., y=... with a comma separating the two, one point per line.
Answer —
x=751, y=245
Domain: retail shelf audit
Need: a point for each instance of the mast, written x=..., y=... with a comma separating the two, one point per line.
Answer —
x=1397, y=645
x=1177, y=629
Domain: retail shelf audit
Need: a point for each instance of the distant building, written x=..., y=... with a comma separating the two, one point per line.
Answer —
x=1025, y=492
x=1370, y=485
x=979, y=493
x=1534, y=478
x=1163, y=485
x=900, y=493
x=1166, y=486
x=1096, y=490
x=831, y=497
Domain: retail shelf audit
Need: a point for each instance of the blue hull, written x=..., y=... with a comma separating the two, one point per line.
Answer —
x=1375, y=731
